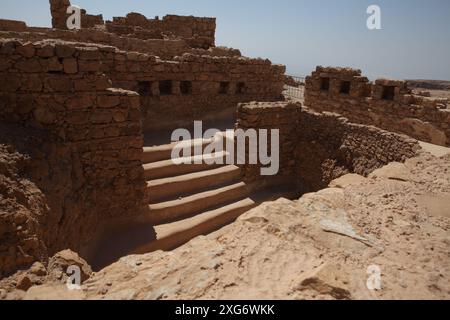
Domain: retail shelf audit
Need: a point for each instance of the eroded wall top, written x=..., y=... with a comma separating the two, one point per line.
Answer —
x=385, y=103
x=199, y=32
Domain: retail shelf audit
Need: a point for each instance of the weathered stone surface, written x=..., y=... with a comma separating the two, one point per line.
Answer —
x=27, y=50
x=29, y=65
x=53, y=292
x=44, y=115
x=60, y=262
x=394, y=171
x=54, y=65
x=107, y=101
x=64, y=51
x=70, y=65
x=46, y=51
x=346, y=180
x=328, y=280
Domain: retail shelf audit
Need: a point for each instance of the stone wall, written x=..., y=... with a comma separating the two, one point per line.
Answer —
x=164, y=48
x=197, y=87
x=91, y=170
x=12, y=25
x=316, y=148
x=175, y=93
x=198, y=32
x=387, y=104
x=277, y=115
x=329, y=146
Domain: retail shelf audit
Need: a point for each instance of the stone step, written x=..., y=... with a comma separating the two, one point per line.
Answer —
x=164, y=152
x=172, y=235
x=179, y=186
x=168, y=168
x=169, y=211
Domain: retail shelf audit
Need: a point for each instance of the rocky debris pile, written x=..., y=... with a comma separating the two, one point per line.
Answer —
x=41, y=277
x=22, y=204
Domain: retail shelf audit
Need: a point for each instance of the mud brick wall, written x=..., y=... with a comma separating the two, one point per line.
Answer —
x=95, y=131
x=271, y=115
x=387, y=104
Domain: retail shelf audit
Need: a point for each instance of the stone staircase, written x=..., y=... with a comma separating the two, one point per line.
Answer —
x=189, y=200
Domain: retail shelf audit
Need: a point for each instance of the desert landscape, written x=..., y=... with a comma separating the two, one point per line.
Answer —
x=90, y=190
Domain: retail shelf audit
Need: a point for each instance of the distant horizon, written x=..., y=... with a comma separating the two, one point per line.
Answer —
x=413, y=44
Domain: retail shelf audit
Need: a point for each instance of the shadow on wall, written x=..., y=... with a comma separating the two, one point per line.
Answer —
x=119, y=239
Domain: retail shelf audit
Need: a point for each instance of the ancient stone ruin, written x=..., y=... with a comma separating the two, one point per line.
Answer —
x=86, y=120
x=387, y=104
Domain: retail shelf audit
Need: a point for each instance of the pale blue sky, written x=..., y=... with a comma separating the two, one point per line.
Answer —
x=414, y=42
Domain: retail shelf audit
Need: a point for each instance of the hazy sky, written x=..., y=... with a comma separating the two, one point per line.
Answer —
x=414, y=41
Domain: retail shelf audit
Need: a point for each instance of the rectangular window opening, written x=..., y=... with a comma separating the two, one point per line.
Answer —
x=186, y=87
x=165, y=88
x=144, y=88
x=224, y=88
x=325, y=84
x=345, y=87
x=240, y=88
x=388, y=93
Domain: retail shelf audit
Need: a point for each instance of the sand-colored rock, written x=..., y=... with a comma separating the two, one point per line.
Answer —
x=393, y=171
x=419, y=127
x=435, y=150
x=346, y=180
x=435, y=204
x=53, y=292
x=328, y=280
x=60, y=262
